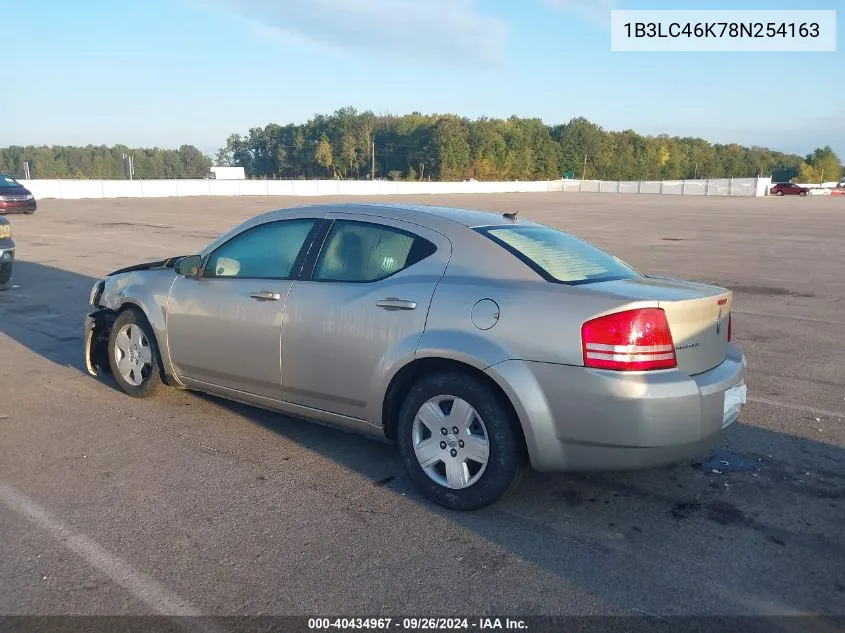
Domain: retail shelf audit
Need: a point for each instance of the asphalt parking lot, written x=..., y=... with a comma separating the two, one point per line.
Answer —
x=190, y=504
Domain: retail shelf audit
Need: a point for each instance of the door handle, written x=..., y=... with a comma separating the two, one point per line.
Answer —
x=392, y=303
x=265, y=295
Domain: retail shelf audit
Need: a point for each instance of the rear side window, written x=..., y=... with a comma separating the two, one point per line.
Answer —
x=558, y=256
x=365, y=252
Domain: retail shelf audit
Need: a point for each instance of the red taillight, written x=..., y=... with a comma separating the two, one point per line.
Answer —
x=633, y=340
x=729, y=327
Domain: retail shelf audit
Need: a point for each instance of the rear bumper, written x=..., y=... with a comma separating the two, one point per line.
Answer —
x=576, y=418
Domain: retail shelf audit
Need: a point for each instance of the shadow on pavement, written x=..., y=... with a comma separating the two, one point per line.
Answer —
x=44, y=309
x=757, y=524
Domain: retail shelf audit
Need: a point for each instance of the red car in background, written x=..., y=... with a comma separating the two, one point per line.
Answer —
x=788, y=189
x=14, y=197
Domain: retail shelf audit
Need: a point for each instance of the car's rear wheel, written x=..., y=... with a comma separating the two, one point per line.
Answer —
x=779, y=193
x=459, y=441
x=133, y=355
x=803, y=193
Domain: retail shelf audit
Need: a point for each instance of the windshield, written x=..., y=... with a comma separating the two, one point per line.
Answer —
x=558, y=256
x=6, y=181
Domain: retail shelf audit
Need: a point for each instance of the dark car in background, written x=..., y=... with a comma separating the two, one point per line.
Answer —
x=14, y=197
x=7, y=251
x=788, y=189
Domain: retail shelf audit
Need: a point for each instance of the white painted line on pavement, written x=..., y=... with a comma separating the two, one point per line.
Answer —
x=790, y=317
x=797, y=407
x=140, y=585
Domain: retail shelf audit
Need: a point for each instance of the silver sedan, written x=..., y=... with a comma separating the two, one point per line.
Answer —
x=477, y=342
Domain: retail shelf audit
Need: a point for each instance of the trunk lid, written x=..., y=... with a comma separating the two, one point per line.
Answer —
x=697, y=314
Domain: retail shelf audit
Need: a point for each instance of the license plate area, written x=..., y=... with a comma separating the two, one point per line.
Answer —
x=735, y=398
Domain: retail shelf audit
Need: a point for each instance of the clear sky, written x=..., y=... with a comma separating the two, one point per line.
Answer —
x=167, y=72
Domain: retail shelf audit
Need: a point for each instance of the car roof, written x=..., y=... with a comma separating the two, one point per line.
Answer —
x=415, y=213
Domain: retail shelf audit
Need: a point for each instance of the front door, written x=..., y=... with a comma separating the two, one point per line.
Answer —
x=363, y=307
x=224, y=327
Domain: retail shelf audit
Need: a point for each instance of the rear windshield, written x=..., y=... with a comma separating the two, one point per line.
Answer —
x=558, y=256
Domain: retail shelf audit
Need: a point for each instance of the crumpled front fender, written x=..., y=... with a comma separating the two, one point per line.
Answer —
x=97, y=326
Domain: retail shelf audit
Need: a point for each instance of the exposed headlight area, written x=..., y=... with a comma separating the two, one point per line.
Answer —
x=96, y=293
x=5, y=231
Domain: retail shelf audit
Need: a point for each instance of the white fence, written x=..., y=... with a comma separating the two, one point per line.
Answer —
x=746, y=187
x=78, y=189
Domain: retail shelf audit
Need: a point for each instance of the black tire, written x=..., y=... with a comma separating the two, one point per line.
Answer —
x=802, y=194
x=151, y=382
x=507, y=449
x=5, y=275
x=779, y=193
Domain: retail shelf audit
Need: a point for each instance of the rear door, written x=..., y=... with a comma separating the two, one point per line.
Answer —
x=362, y=306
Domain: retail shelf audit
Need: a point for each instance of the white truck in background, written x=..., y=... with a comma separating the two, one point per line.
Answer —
x=227, y=173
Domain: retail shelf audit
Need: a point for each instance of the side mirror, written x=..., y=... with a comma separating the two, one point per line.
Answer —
x=189, y=266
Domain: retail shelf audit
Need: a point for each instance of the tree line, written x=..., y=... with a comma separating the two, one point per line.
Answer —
x=349, y=144
x=106, y=163
x=352, y=144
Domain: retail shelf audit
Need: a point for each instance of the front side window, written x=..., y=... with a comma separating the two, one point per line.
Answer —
x=267, y=251
x=362, y=252
x=558, y=256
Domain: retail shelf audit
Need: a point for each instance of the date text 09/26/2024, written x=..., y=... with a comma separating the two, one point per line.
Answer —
x=417, y=624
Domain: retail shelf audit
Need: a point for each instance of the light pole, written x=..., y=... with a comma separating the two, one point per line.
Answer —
x=128, y=165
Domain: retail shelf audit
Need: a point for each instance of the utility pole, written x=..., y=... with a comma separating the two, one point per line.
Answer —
x=584, y=173
x=26, y=173
x=128, y=166
x=373, y=171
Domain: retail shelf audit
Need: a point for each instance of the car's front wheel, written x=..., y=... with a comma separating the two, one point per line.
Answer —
x=459, y=441
x=779, y=193
x=133, y=355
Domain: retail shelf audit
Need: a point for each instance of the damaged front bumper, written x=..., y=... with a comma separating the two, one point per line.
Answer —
x=97, y=326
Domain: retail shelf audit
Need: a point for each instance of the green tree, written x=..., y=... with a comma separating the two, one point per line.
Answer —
x=424, y=146
x=808, y=173
x=578, y=139
x=223, y=158
x=323, y=155
x=826, y=163
x=452, y=138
